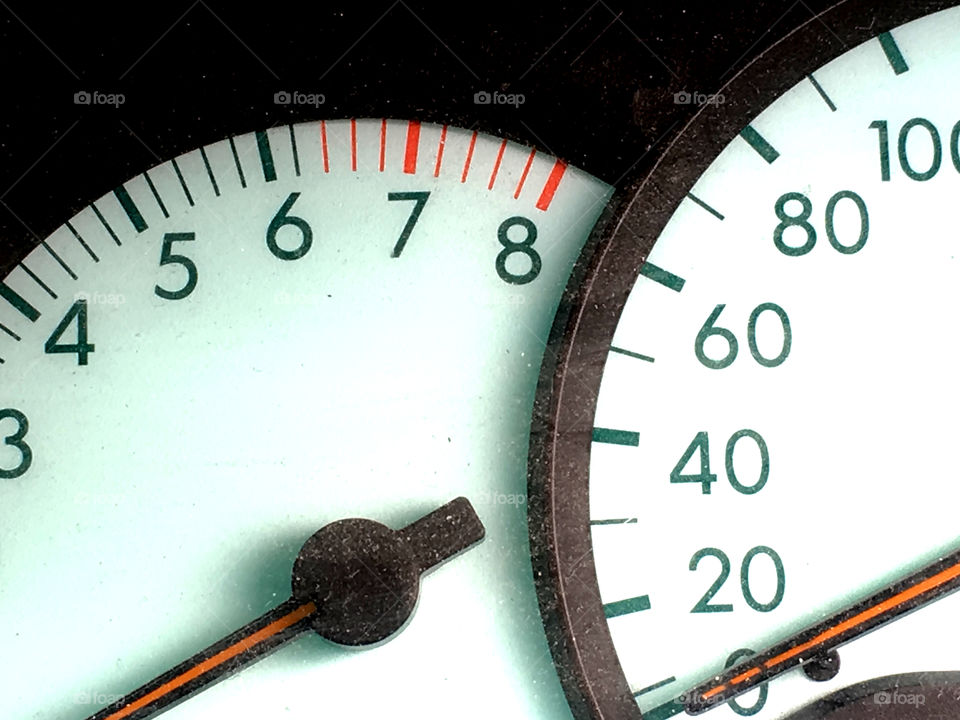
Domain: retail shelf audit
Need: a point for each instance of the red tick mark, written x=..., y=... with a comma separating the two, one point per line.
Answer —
x=523, y=176
x=496, y=165
x=323, y=144
x=466, y=165
x=553, y=182
x=443, y=139
x=413, y=147
x=353, y=144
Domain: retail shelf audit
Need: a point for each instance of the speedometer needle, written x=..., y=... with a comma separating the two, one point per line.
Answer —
x=355, y=582
x=903, y=596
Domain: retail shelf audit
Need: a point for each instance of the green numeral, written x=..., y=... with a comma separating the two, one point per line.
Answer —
x=709, y=330
x=788, y=221
x=802, y=221
x=16, y=441
x=421, y=200
x=280, y=220
x=745, y=579
x=701, y=444
x=81, y=348
x=935, y=161
x=524, y=247
x=704, y=606
x=168, y=258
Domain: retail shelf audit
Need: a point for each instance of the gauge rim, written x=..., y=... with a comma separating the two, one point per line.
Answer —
x=576, y=352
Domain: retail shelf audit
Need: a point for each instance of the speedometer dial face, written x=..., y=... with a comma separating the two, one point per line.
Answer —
x=748, y=425
x=243, y=344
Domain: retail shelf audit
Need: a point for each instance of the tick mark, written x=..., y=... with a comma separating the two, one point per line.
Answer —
x=293, y=148
x=323, y=146
x=58, y=259
x=655, y=686
x=443, y=140
x=626, y=607
x=130, y=208
x=156, y=195
x=706, y=207
x=496, y=164
x=823, y=94
x=616, y=437
x=615, y=521
x=892, y=51
x=213, y=180
x=266, y=156
x=18, y=303
x=353, y=144
x=236, y=160
x=663, y=277
x=183, y=183
x=758, y=143
x=91, y=253
x=9, y=332
x=553, y=182
x=523, y=175
x=412, y=149
x=38, y=281
x=383, y=142
x=466, y=164
x=103, y=221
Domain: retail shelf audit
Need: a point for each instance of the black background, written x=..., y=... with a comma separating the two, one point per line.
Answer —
x=598, y=78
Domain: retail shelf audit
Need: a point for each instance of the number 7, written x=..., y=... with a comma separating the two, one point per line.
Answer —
x=421, y=200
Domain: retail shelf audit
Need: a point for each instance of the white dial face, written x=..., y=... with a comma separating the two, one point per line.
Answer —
x=777, y=414
x=338, y=319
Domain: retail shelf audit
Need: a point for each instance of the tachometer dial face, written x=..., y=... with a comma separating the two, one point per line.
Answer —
x=243, y=344
x=744, y=428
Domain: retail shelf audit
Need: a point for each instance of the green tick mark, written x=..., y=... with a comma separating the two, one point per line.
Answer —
x=130, y=208
x=626, y=607
x=266, y=156
x=655, y=686
x=758, y=143
x=664, y=277
x=630, y=353
x=894, y=56
x=706, y=207
x=616, y=437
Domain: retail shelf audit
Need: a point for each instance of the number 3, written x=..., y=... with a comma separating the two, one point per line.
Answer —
x=16, y=440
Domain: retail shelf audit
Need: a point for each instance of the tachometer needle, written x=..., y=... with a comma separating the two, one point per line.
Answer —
x=355, y=582
x=905, y=595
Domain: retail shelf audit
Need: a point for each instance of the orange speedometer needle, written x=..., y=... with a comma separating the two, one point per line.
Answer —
x=905, y=595
x=355, y=582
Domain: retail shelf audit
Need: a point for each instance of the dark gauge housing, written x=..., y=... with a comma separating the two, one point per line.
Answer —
x=573, y=366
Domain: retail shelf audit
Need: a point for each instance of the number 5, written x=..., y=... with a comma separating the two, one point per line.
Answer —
x=168, y=258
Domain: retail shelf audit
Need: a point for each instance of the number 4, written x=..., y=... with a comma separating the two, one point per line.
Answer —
x=704, y=477
x=81, y=348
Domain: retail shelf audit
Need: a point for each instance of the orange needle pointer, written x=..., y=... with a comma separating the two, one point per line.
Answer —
x=905, y=595
x=355, y=582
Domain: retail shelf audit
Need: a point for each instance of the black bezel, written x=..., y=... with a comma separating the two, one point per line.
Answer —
x=562, y=427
